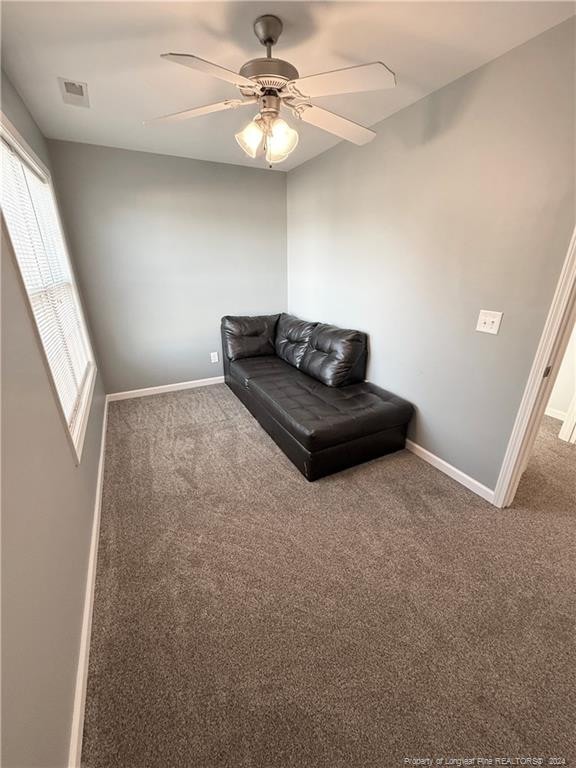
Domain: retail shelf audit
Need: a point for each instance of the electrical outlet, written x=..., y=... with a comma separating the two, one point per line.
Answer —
x=213, y=357
x=489, y=321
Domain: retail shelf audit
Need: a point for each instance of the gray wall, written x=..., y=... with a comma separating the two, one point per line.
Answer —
x=464, y=201
x=164, y=247
x=47, y=512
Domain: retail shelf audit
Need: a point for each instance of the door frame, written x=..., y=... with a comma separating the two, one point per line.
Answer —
x=549, y=355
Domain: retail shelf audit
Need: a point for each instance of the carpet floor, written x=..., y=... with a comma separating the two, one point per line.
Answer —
x=245, y=618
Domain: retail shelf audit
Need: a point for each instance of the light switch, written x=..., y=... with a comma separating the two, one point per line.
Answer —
x=489, y=321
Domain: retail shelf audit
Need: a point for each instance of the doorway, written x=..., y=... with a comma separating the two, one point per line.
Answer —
x=562, y=403
x=554, y=342
x=550, y=474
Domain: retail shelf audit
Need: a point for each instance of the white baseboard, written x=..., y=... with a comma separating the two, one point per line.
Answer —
x=75, y=751
x=555, y=414
x=448, y=469
x=165, y=388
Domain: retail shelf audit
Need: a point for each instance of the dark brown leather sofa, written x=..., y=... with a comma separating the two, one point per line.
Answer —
x=304, y=383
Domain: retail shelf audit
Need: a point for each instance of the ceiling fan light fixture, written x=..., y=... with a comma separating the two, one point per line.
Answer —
x=272, y=135
x=250, y=138
x=281, y=141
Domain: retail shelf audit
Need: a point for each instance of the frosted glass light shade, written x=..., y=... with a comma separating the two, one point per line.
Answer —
x=250, y=138
x=280, y=141
x=274, y=137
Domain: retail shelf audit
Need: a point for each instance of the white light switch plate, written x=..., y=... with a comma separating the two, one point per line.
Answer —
x=489, y=321
x=213, y=357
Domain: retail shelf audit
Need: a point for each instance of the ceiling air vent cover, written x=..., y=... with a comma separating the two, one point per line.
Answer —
x=74, y=92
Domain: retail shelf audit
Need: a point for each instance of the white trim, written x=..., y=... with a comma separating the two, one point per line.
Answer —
x=448, y=469
x=13, y=137
x=75, y=751
x=75, y=433
x=129, y=394
x=74, y=437
x=554, y=413
x=553, y=343
x=78, y=431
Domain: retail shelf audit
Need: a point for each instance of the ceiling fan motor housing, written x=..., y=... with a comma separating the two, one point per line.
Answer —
x=271, y=74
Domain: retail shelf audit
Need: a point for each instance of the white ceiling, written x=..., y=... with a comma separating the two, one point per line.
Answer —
x=115, y=47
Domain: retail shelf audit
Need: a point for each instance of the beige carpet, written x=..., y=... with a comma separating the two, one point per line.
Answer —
x=245, y=618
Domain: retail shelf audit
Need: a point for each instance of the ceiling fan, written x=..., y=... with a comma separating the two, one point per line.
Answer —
x=272, y=84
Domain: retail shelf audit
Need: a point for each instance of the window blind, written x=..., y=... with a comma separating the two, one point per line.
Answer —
x=31, y=217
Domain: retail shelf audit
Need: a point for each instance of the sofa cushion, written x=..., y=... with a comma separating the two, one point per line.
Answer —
x=292, y=335
x=335, y=356
x=248, y=336
x=258, y=367
x=319, y=416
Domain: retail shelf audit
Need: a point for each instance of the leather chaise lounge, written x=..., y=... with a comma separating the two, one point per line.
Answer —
x=304, y=383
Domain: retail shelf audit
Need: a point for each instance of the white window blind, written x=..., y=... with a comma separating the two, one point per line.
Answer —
x=31, y=216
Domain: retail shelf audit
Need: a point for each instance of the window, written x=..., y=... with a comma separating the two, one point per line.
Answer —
x=32, y=220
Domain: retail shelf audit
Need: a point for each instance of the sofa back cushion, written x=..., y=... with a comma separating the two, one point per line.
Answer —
x=248, y=336
x=335, y=356
x=292, y=336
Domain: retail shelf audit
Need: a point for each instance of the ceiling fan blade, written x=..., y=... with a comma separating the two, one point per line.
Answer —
x=205, y=110
x=365, y=77
x=339, y=126
x=200, y=65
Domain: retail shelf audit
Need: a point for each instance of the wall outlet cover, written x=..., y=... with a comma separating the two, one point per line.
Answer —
x=489, y=321
x=213, y=357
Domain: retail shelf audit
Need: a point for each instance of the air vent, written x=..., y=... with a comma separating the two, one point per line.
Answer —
x=74, y=89
x=74, y=92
